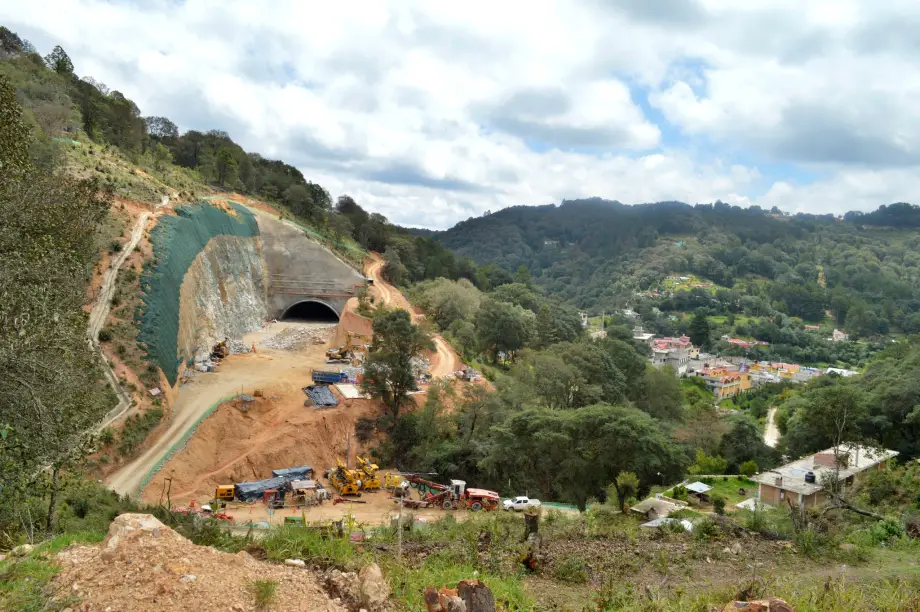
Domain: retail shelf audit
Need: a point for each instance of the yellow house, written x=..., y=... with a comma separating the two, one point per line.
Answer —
x=726, y=383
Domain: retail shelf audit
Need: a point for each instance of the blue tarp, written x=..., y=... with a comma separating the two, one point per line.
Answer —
x=303, y=472
x=321, y=396
x=329, y=377
x=252, y=491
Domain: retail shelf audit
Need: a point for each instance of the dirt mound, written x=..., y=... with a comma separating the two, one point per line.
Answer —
x=351, y=321
x=145, y=565
x=246, y=442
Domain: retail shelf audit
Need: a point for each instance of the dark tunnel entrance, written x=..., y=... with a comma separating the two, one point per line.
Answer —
x=310, y=311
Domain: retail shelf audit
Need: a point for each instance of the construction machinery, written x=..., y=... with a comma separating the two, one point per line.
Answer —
x=393, y=481
x=370, y=481
x=344, y=353
x=348, y=482
x=449, y=497
x=254, y=491
x=220, y=350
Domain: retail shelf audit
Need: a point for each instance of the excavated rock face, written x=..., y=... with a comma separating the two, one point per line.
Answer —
x=144, y=565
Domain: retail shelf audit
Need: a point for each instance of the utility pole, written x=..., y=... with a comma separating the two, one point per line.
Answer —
x=399, y=530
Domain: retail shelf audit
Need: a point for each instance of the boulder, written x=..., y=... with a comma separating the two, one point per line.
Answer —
x=771, y=604
x=373, y=588
x=130, y=526
x=295, y=562
x=913, y=528
x=22, y=550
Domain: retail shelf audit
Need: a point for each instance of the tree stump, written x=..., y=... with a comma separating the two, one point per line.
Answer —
x=531, y=524
x=477, y=596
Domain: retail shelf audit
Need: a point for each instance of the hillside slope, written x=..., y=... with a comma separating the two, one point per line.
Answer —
x=602, y=255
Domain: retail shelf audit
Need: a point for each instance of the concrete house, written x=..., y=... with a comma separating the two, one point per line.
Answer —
x=800, y=480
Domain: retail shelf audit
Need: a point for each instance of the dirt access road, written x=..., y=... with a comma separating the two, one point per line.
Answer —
x=267, y=369
x=444, y=360
x=100, y=313
x=771, y=432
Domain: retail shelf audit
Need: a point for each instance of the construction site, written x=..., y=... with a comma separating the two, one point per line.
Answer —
x=268, y=378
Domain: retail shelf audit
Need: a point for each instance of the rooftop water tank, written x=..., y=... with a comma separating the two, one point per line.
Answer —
x=810, y=477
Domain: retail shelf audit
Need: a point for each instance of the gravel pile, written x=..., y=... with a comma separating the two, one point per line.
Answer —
x=293, y=338
x=420, y=366
x=238, y=347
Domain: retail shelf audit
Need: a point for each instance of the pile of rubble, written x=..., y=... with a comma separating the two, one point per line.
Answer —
x=420, y=367
x=238, y=347
x=145, y=565
x=293, y=338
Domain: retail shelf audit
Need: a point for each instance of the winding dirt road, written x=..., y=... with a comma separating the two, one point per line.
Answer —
x=100, y=313
x=771, y=432
x=103, y=303
x=444, y=360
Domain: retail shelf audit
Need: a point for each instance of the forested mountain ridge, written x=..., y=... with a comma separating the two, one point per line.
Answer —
x=600, y=254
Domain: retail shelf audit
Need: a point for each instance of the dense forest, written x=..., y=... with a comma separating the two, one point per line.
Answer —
x=569, y=413
x=769, y=273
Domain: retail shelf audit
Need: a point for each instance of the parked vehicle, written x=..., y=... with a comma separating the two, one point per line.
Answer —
x=521, y=502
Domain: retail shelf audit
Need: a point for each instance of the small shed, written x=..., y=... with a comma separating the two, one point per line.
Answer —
x=699, y=489
x=653, y=508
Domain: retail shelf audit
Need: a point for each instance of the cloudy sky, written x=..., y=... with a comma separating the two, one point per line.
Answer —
x=432, y=112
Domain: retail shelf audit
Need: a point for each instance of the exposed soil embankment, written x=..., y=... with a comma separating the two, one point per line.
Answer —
x=238, y=443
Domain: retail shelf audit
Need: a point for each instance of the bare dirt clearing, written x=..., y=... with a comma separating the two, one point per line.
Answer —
x=279, y=372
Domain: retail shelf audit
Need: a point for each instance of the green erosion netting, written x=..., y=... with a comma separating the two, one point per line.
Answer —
x=177, y=240
x=352, y=250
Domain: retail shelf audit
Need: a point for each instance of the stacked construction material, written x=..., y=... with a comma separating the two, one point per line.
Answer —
x=320, y=396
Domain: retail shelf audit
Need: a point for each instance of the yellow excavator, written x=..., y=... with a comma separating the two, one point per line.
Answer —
x=348, y=482
x=344, y=352
x=370, y=481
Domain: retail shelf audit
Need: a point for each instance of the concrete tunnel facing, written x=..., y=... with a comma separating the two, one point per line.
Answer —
x=310, y=311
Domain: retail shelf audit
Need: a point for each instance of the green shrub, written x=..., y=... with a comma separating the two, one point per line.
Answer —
x=107, y=435
x=115, y=247
x=706, y=529
x=810, y=542
x=105, y=335
x=748, y=468
x=718, y=503
x=572, y=570
x=883, y=531
x=263, y=592
x=136, y=430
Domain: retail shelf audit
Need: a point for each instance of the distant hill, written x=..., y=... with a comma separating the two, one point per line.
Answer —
x=599, y=254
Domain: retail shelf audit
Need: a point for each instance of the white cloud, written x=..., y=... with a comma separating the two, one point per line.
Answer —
x=433, y=112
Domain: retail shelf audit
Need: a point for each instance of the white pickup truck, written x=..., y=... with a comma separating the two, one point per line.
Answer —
x=521, y=502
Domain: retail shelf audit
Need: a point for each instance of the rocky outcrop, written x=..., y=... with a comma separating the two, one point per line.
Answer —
x=367, y=590
x=222, y=296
